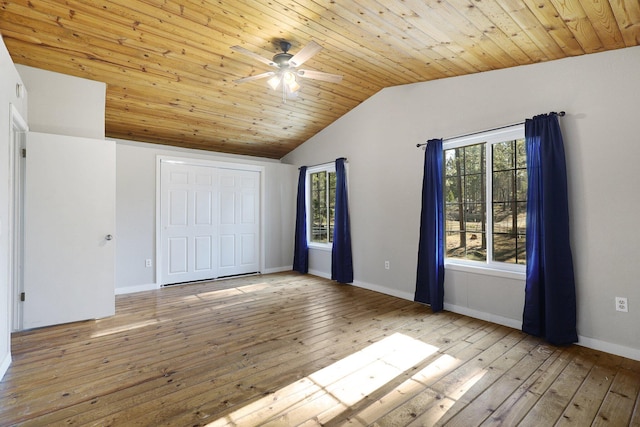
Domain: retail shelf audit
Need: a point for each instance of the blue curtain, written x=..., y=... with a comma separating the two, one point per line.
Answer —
x=550, y=298
x=301, y=251
x=430, y=276
x=341, y=260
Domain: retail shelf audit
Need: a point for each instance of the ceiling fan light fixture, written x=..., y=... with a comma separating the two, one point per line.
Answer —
x=290, y=80
x=274, y=82
x=293, y=86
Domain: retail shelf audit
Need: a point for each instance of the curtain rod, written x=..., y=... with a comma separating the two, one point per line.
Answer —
x=326, y=163
x=561, y=114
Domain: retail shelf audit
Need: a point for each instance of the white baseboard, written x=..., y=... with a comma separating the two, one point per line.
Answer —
x=320, y=274
x=137, y=288
x=278, y=269
x=369, y=286
x=4, y=366
x=493, y=318
x=377, y=288
x=607, y=347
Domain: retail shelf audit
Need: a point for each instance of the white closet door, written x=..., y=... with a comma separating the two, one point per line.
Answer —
x=69, y=224
x=188, y=223
x=239, y=216
x=209, y=222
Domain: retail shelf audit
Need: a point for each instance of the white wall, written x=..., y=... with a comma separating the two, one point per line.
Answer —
x=73, y=106
x=601, y=95
x=136, y=210
x=64, y=105
x=8, y=79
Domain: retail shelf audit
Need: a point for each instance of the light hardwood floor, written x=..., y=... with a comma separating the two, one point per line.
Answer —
x=287, y=349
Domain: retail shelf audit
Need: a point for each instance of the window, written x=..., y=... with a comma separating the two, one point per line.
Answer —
x=486, y=213
x=321, y=201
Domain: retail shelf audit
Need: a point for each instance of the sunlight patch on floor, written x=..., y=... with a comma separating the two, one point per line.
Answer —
x=427, y=404
x=125, y=328
x=223, y=293
x=329, y=391
x=418, y=383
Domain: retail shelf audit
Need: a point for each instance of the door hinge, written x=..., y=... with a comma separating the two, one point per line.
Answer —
x=24, y=152
x=22, y=296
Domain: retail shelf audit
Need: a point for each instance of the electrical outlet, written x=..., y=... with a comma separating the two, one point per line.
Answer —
x=622, y=304
x=386, y=265
x=147, y=263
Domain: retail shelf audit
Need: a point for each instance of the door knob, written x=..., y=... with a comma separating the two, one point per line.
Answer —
x=108, y=237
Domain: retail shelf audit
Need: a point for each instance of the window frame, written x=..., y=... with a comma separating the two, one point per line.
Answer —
x=329, y=168
x=489, y=138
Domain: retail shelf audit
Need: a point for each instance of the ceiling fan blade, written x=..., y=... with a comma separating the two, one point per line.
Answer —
x=319, y=75
x=244, y=51
x=256, y=77
x=307, y=52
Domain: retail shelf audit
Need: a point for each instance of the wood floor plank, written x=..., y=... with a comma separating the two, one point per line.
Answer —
x=635, y=417
x=584, y=406
x=617, y=407
x=291, y=349
x=502, y=381
x=518, y=404
x=549, y=408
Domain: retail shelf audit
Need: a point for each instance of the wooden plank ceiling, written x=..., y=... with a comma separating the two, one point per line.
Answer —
x=170, y=69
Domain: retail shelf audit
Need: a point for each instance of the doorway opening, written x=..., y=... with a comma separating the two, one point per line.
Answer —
x=17, y=136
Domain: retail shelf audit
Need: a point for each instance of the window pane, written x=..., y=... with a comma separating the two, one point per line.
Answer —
x=521, y=250
x=453, y=162
x=465, y=211
x=503, y=186
x=521, y=184
x=509, y=248
x=474, y=188
x=453, y=245
x=452, y=189
x=473, y=156
x=475, y=217
x=503, y=220
x=476, y=247
x=332, y=204
x=521, y=154
x=452, y=224
x=504, y=248
x=319, y=226
x=323, y=198
x=464, y=245
x=509, y=201
x=503, y=156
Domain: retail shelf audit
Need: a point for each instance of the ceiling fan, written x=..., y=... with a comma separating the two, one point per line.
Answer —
x=287, y=72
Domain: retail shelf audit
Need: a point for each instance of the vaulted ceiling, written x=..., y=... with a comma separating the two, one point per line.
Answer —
x=170, y=69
